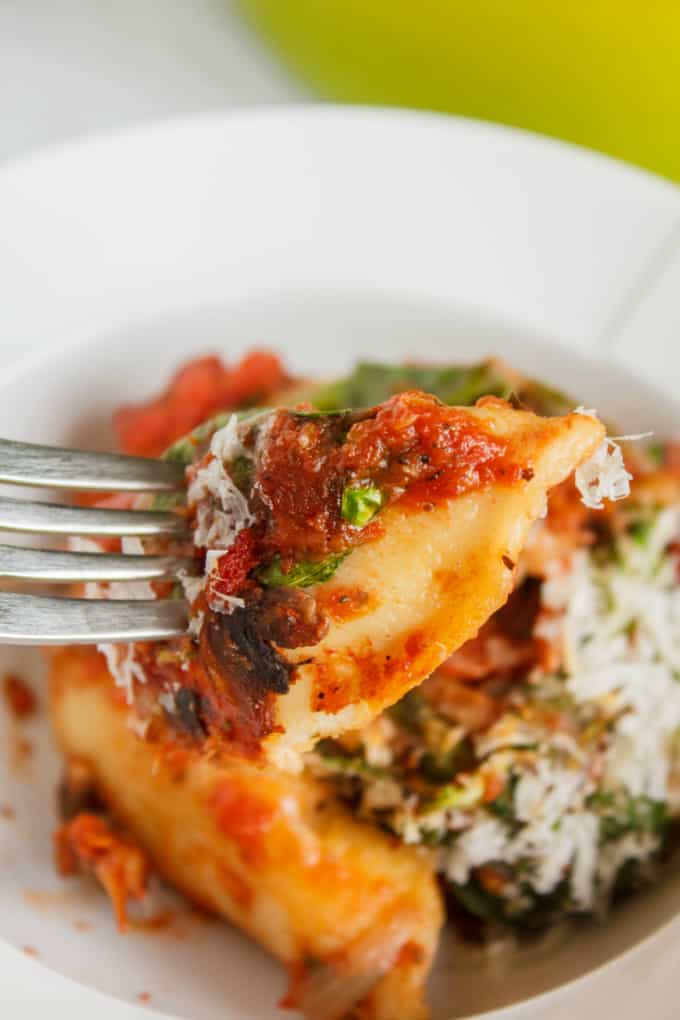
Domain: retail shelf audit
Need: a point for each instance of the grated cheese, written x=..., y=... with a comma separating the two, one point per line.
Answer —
x=603, y=476
x=617, y=618
x=222, y=509
x=123, y=667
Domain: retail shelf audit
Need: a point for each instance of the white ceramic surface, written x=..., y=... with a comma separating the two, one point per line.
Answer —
x=327, y=234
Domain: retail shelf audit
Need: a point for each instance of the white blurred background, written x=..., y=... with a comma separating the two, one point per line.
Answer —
x=70, y=67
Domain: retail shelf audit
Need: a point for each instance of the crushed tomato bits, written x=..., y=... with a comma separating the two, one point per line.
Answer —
x=233, y=567
x=415, y=442
x=198, y=390
x=19, y=697
x=87, y=843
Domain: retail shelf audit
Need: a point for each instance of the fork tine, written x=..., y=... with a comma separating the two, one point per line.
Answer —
x=66, y=567
x=38, y=620
x=53, y=466
x=54, y=519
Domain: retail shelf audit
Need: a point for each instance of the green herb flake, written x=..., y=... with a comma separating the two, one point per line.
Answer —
x=360, y=504
x=462, y=796
x=640, y=531
x=656, y=453
x=622, y=813
x=301, y=574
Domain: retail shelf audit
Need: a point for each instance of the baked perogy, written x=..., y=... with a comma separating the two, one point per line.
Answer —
x=353, y=915
x=342, y=558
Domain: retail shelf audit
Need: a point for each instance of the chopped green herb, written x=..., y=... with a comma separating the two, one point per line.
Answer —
x=443, y=766
x=360, y=504
x=241, y=471
x=348, y=764
x=301, y=574
x=656, y=453
x=621, y=813
x=185, y=449
x=457, y=795
x=640, y=530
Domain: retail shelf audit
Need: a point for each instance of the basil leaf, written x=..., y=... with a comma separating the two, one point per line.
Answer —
x=360, y=504
x=301, y=574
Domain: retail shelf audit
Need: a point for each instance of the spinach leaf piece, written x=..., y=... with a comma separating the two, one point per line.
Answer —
x=373, y=382
x=622, y=813
x=301, y=574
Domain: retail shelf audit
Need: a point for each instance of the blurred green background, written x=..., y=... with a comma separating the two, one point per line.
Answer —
x=603, y=73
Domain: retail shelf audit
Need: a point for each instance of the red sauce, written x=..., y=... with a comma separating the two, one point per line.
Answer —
x=412, y=448
x=237, y=889
x=19, y=697
x=198, y=390
x=244, y=817
x=234, y=566
x=436, y=452
x=299, y=483
x=87, y=843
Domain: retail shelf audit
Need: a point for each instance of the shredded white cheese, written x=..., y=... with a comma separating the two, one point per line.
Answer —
x=617, y=618
x=123, y=667
x=120, y=659
x=222, y=509
x=192, y=586
x=603, y=476
x=222, y=512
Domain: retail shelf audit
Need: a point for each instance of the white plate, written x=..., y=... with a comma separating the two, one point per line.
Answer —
x=328, y=234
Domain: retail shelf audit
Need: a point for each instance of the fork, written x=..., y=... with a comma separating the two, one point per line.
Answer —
x=36, y=619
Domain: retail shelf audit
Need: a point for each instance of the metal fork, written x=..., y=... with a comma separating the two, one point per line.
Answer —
x=36, y=619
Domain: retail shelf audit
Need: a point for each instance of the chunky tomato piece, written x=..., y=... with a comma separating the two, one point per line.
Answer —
x=234, y=565
x=198, y=390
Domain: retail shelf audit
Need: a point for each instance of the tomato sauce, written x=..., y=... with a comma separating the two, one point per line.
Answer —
x=411, y=448
x=198, y=390
x=88, y=843
x=244, y=817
